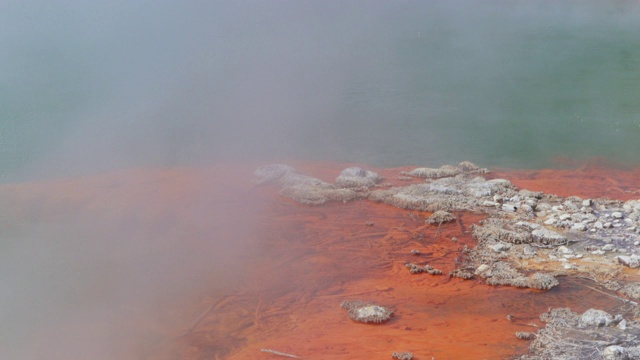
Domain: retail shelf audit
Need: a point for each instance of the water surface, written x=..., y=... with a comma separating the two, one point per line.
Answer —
x=103, y=85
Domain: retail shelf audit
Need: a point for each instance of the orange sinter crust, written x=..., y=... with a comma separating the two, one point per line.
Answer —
x=279, y=270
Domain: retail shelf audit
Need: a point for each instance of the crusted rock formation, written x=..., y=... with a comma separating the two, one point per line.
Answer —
x=417, y=269
x=366, y=312
x=402, y=356
x=440, y=217
x=526, y=233
x=357, y=177
x=595, y=334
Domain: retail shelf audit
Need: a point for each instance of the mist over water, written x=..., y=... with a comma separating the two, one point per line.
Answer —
x=91, y=87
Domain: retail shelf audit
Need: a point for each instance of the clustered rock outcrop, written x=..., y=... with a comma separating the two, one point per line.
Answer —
x=417, y=269
x=520, y=224
x=526, y=240
x=502, y=273
x=595, y=334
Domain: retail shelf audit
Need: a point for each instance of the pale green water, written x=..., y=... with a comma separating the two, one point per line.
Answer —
x=91, y=86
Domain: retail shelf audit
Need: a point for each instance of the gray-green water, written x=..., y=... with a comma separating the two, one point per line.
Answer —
x=87, y=86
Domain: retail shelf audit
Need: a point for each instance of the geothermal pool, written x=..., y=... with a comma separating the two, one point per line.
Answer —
x=130, y=227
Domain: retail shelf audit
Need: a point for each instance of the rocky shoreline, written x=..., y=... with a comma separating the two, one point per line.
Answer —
x=527, y=239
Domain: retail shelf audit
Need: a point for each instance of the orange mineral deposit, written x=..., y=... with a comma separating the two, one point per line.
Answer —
x=199, y=263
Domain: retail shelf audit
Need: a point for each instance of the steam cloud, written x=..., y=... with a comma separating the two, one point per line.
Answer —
x=95, y=87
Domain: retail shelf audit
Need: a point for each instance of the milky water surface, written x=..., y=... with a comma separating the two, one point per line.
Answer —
x=88, y=86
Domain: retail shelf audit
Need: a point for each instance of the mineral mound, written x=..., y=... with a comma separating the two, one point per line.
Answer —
x=366, y=312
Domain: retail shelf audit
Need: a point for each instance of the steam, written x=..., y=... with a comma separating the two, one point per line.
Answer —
x=387, y=83
x=108, y=266
x=101, y=87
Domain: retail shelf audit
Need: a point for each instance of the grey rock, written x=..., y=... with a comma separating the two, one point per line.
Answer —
x=504, y=183
x=565, y=217
x=402, y=356
x=364, y=312
x=593, y=317
x=440, y=217
x=586, y=210
x=632, y=205
x=357, y=177
x=482, y=269
x=526, y=225
x=523, y=335
x=531, y=194
x=417, y=269
x=565, y=250
x=548, y=237
x=443, y=171
x=634, y=352
x=570, y=206
x=447, y=186
x=469, y=166
x=526, y=208
x=632, y=261
x=585, y=218
x=616, y=215
x=543, y=207
x=529, y=251
x=480, y=188
x=500, y=247
x=542, y=281
x=622, y=325
x=579, y=227
x=615, y=352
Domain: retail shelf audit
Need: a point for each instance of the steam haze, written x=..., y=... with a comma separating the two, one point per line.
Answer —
x=113, y=84
x=130, y=129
